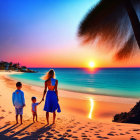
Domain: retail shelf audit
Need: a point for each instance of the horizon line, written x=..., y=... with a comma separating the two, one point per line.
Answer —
x=86, y=67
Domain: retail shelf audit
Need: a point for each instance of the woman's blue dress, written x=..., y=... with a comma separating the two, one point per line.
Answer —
x=51, y=102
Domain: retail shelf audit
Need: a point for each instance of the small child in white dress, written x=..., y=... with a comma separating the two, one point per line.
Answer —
x=34, y=107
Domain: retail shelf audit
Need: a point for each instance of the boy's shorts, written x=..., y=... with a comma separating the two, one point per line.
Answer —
x=19, y=111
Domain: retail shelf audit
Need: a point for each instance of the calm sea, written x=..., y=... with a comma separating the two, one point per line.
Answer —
x=107, y=81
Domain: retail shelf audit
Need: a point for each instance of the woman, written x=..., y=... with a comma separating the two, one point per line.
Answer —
x=51, y=103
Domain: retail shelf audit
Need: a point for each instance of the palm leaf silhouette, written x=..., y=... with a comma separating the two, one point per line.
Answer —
x=115, y=24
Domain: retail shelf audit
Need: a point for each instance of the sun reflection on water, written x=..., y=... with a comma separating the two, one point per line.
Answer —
x=90, y=116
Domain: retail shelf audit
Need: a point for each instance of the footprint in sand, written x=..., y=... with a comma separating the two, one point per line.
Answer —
x=96, y=134
x=122, y=134
x=83, y=133
x=3, y=110
x=136, y=129
x=84, y=136
x=59, y=135
x=99, y=136
x=1, y=118
x=83, y=127
x=56, y=132
x=50, y=136
x=102, y=137
x=105, y=138
x=75, y=137
x=110, y=134
x=70, y=135
x=10, y=112
x=72, y=127
x=66, y=133
x=68, y=130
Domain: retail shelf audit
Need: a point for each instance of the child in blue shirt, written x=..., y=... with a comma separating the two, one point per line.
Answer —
x=34, y=107
x=18, y=101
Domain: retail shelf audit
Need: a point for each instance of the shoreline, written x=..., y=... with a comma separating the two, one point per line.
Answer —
x=84, y=95
x=83, y=98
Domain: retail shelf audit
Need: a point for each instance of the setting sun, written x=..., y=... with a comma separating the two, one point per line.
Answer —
x=91, y=64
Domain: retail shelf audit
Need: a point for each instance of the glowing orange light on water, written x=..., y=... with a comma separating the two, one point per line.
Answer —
x=90, y=116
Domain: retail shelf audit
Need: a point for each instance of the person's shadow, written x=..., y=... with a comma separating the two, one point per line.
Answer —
x=34, y=135
x=39, y=133
x=10, y=129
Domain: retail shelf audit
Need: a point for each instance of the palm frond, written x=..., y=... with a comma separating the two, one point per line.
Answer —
x=109, y=22
x=127, y=49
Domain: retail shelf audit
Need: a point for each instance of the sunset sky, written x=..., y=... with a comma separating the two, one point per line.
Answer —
x=43, y=33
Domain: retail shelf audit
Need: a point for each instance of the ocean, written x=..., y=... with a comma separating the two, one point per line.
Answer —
x=123, y=82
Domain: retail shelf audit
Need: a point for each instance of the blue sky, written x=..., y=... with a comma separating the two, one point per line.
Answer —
x=32, y=26
x=41, y=21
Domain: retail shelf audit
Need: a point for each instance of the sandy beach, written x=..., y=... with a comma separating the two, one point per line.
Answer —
x=83, y=116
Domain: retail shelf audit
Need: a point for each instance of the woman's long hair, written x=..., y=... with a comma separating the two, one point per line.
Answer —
x=48, y=75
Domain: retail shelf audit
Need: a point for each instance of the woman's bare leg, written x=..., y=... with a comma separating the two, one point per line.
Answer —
x=36, y=117
x=47, y=117
x=54, y=115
